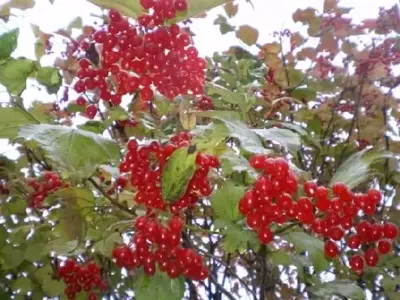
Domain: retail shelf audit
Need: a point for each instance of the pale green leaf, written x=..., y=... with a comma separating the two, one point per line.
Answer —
x=33, y=252
x=356, y=169
x=343, y=288
x=60, y=246
x=225, y=201
x=177, y=173
x=227, y=95
x=129, y=8
x=285, y=137
x=13, y=257
x=14, y=73
x=50, y=77
x=314, y=247
x=10, y=120
x=248, y=139
x=73, y=150
x=159, y=287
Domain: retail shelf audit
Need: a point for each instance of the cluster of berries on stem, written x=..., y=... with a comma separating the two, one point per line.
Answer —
x=79, y=278
x=42, y=187
x=140, y=59
x=155, y=241
x=335, y=214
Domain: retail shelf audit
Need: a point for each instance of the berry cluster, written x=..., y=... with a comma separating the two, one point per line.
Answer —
x=204, y=103
x=270, y=199
x=81, y=277
x=140, y=59
x=49, y=183
x=145, y=164
x=162, y=10
x=155, y=243
x=331, y=214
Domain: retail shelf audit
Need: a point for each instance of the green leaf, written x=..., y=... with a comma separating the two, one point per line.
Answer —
x=225, y=201
x=73, y=150
x=3, y=236
x=285, y=137
x=117, y=113
x=22, y=285
x=50, y=77
x=224, y=26
x=196, y=7
x=247, y=34
x=72, y=223
x=234, y=162
x=40, y=112
x=60, y=246
x=314, y=247
x=248, y=139
x=93, y=126
x=389, y=283
x=74, y=197
x=280, y=258
x=177, y=173
x=238, y=239
x=33, y=252
x=210, y=136
x=8, y=42
x=343, y=288
x=356, y=169
x=14, y=73
x=159, y=287
x=129, y=8
x=227, y=95
x=13, y=257
x=304, y=93
x=14, y=206
x=53, y=288
x=10, y=120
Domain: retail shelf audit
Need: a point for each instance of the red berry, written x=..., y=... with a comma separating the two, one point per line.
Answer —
x=257, y=161
x=384, y=246
x=363, y=229
x=91, y=111
x=180, y=5
x=175, y=224
x=371, y=257
x=265, y=235
x=390, y=230
x=309, y=188
x=336, y=233
x=331, y=249
x=354, y=241
x=375, y=196
x=339, y=189
x=357, y=263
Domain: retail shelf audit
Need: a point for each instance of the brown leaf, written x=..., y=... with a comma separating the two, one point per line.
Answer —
x=328, y=43
x=296, y=39
x=247, y=34
x=231, y=9
x=330, y=6
x=308, y=52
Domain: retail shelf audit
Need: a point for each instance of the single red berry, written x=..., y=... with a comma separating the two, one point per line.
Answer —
x=336, y=233
x=384, y=246
x=375, y=196
x=175, y=224
x=257, y=161
x=357, y=263
x=363, y=229
x=309, y=188
x=390, y=230
x=354, y=241
x=180, y=5
x=331, y=250
x=376, y=232
x=265, y=235
x=371, y=257
x=91, y=111
x=339, y=189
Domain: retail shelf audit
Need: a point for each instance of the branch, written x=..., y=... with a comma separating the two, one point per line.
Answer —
x=353, y=122
x=220, y=287
x=112, y=200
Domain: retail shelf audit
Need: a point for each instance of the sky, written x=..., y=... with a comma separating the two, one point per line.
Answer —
x=266, y=15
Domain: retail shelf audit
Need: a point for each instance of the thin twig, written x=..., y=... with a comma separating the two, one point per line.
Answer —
x=112, y=200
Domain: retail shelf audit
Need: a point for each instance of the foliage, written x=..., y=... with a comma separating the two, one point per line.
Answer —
x=165, y=175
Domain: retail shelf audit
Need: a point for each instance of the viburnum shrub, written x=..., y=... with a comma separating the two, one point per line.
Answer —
x=154, y=172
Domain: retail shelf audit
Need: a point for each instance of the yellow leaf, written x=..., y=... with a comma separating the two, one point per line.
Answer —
x=187, y=118
x=247, y=34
